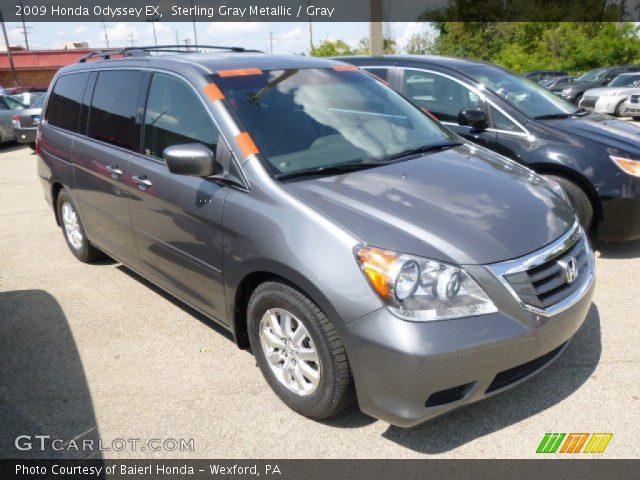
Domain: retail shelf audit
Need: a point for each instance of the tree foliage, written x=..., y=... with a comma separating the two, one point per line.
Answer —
x=332, y=48
x=572, y=46
x=419, y=44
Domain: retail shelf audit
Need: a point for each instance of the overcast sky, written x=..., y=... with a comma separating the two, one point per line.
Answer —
x=287, y=37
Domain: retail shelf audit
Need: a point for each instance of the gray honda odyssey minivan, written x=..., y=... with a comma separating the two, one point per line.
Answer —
x=359, y=248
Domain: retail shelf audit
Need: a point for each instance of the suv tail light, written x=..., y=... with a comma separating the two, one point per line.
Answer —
x=15, y=120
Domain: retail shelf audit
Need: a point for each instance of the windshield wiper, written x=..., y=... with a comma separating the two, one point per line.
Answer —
x=552, y=115
x=433, y=147
x=329, y=170
x=580, y=112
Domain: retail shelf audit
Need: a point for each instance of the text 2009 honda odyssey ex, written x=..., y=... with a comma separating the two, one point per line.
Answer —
x=356, y=245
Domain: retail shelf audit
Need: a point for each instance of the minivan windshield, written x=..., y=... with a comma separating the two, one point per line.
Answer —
x=624, y=81
x=320, y=119
x=533, y=99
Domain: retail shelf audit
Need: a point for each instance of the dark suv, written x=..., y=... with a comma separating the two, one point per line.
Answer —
x=352, y=241
x=598, y=77
x=594, y=157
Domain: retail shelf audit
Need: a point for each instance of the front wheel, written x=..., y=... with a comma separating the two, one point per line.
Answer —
x=617, y=111
x=299, y=351
x=578, y=199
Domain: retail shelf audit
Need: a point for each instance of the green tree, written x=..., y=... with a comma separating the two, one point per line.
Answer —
x=332, y=48
x=572, y=46
x=390, y=46
x=419, y=44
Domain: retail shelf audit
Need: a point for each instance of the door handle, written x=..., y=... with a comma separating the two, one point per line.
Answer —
x=114, y=170
x=142, y=181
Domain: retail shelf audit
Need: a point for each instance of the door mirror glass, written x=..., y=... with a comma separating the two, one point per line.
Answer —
x=474, y=118
x=193, y=159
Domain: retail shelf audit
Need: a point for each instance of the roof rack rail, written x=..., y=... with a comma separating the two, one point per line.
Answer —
x=144, y=51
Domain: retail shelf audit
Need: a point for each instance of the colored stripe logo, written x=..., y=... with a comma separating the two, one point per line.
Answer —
x=574, y=442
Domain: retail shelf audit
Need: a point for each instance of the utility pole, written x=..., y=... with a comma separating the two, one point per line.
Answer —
x=25, y=29
x=6, y=42
x=376, y=42
x=153, y=25
x=131, y=38
x=106, y=35
x=310, y=37
x=271, y=42
x=186, y=44
x=177, y=40
x=193, y=21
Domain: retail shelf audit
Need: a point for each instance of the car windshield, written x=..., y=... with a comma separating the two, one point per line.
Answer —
x=624, y=81
x=528, y=96
x=592, y=75
x=304, y=119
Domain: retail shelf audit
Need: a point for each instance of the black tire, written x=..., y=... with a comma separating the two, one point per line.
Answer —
x=578, y=199
x=636, y=119
x=616, y=111
x=576, y=102
x=85, y=252
x=335, y=390
x=32, y=146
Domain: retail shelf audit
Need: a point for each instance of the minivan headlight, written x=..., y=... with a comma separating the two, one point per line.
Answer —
x=419, y=289
x=632, y=167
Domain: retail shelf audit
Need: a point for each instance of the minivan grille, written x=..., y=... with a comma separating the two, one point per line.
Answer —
x=588, y=102
x=554, y=280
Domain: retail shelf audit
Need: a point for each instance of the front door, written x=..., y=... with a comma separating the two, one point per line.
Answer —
x=444, y=97
x=177, y=219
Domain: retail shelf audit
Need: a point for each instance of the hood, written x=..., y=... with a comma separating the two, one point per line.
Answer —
x=462, y=206
x=600, y=92
x=602, y=128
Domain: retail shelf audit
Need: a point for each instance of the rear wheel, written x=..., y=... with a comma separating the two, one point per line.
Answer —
x=299, y=351
x=578, y=199
x=73, y=230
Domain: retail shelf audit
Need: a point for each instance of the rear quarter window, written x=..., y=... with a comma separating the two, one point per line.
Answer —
x=112, y=117
x=63, y=108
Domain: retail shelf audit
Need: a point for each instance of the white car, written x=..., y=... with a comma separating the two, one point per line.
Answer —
x=610, y=99
x=631, y=107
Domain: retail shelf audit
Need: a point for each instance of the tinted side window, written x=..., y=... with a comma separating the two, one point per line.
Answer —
x=382, y=73
x=112, y=117
x=175, y=115
x=443, y=97
x=63, y=108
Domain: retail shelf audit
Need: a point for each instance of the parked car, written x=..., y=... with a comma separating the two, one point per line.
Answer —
x=25, y=89
x=322, y=218
x=595, y=158
x=609, y=99
x=631, y=107
x=8, y=108
x=27, y=98
x=25, y=123
x=549, y=83
x=598, y=77
x=539, y=75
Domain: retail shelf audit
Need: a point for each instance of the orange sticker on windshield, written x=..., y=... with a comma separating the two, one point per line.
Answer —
x=345, y=68
x=239, y=72
x=213, y=92
x=246, y=144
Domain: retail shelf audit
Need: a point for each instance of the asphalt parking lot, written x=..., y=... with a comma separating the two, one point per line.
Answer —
x=95, y=352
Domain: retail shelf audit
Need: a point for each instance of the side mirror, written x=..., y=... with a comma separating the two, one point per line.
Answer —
x=192, y=159
x=474, y=118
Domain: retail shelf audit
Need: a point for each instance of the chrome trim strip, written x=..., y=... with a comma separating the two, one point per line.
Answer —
x=564, y=243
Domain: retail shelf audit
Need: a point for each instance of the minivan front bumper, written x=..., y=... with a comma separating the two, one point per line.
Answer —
x=409, y=372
